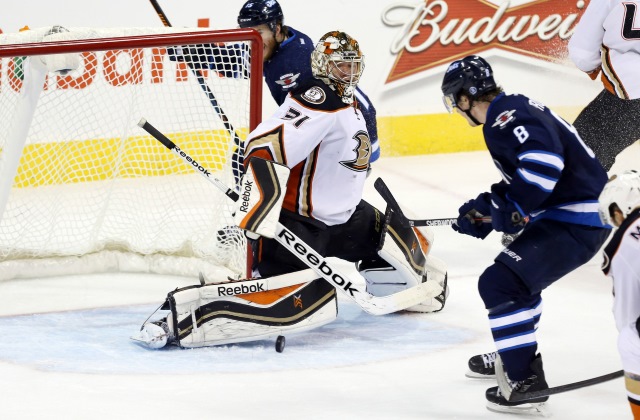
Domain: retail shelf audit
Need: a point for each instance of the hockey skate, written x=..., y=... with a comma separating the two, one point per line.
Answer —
x=482, y=366
x=154, y=335
x=536, y=382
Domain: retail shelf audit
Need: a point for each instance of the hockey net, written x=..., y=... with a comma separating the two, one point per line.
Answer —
x=83, y=189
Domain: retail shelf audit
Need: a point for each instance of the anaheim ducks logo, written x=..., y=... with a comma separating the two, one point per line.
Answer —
x=315, y=95
x=297, y=301
x=363, y=153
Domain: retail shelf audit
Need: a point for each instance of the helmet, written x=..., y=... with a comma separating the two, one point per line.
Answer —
x=257, y=12
x=622, y=190
x=338, y=61
x=471, y=75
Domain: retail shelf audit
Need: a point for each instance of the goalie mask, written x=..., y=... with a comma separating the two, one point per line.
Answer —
x=338, y=61
x=621, y=192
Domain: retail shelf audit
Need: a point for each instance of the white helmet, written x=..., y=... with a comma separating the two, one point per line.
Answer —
x=622, y=190
x=338, y=61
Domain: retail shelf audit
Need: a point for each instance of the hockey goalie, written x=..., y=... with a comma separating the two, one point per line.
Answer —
x=301, y=202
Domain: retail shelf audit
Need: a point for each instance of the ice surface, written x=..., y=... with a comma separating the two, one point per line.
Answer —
x=65, y=351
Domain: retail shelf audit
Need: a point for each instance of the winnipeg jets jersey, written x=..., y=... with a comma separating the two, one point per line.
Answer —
x=608, y=36
x=290, y=66
x=547, y=170
x=325, y=143
x=621, y=262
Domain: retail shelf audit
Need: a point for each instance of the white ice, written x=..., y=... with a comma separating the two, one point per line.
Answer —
x=65, y=351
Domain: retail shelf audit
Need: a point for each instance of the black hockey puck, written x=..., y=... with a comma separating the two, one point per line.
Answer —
x=280, y=342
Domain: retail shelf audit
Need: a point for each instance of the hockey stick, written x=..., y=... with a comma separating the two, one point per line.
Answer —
x=374, y=305
x=516, y=397
x=385, y=193
x=237, y=159
x=505, y=388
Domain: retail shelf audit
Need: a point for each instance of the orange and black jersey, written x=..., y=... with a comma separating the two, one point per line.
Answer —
x=325, y=143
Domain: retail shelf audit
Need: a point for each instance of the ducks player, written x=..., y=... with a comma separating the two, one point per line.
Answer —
x=620, y=207
x=321, y=136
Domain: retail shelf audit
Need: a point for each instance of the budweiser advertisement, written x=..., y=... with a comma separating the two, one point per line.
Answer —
x=431, y=34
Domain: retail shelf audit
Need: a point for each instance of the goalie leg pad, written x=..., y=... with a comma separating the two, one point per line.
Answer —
x=201, y=320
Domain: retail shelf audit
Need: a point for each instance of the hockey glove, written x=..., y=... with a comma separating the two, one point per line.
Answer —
x=195, y=55
x=505, y=216
x=470, y=212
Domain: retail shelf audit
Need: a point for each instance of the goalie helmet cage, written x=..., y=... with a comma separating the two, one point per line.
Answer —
x=83, y=189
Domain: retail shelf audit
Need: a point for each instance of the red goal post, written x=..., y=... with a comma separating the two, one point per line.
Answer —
x=84, y=189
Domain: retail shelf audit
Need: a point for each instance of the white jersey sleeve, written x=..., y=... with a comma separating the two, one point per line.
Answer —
x=326, y=145
x=584, y=45
x=608, y=36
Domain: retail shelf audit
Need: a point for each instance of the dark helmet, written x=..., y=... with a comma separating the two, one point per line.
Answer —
x=257, y=12
x=471, y=75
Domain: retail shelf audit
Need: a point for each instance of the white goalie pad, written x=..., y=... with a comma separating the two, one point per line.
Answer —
x=262, y=193
x=241, y=311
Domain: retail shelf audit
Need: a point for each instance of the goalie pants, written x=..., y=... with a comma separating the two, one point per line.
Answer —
x=511, y=287
x=608, y=125
x=355, y=240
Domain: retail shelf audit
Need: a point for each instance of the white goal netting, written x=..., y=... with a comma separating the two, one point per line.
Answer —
x=83, y=188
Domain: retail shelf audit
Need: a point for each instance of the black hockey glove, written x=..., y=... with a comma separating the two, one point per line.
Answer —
x=469, y=213
x=195, y=55
x=505, y=216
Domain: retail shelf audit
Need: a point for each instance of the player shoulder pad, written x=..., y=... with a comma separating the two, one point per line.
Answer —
x=317, y=95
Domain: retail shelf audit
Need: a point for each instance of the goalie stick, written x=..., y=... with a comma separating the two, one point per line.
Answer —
x=385, y=193
x=374, y=305
x=236, y=160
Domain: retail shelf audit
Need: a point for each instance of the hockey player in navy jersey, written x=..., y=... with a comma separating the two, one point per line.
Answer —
x=549, y=190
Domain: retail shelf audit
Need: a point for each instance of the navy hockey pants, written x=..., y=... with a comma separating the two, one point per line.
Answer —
x=510, y=288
